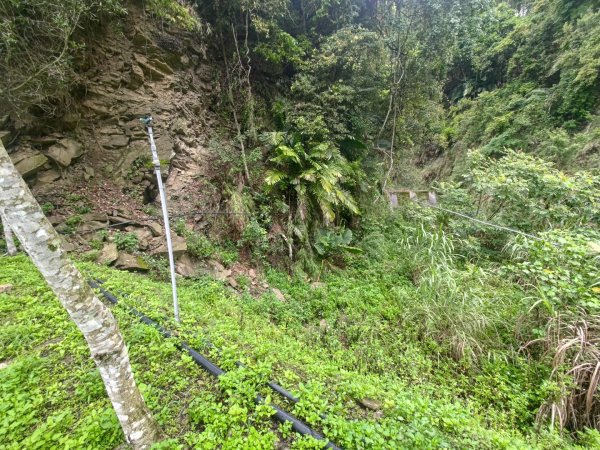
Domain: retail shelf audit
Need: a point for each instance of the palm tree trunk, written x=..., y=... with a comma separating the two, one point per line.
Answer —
x=94, y=320
x=11, y=249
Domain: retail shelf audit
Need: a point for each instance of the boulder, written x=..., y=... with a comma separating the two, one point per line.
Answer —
x=144, y=236
x=99, y=108
x=186, y=266
x=125, y=261
x=28, y=162
x=91, y=226
x=369, y=403
x=66, y=245
x=217, y=270
x=55, y=220
x=278, y=294
x=179, y=246
x=156, y=228
x=162, y=66
x=165, y=147
x=96, y=217
x=65, y=151
x=141, y=40
x=88, y=173
x=179, y=126
x=109, y=254
x=115, y=141
x=48, y=176
x=150, y=71
x=70, y=120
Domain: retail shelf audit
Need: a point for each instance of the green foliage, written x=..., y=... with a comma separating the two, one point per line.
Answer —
x=159, y=267
x=313, y=173
x=91, y=256
x=329, y=242
x=368, y=348
x=531, y=80
x=255, y=237
x=281, y=48
x=460, y=343
x=96, y=244
x=526, y=193
x=578, y=63
x=198, y=245
x=37, y=48
x=47, y=208
x=128, y=242
x=563, y=269
x=175, y=12
x=72, y=222
x=485, y=44
x=201, y=247
x=331, y=86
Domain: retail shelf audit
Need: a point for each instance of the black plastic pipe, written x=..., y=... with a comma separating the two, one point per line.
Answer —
x=207, y=365
x=280, y=415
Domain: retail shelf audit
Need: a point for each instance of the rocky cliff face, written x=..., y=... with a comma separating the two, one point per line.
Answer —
x=96, y=157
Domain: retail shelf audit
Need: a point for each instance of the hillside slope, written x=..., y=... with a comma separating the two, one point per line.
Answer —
x=96, y=157
x=376, y=388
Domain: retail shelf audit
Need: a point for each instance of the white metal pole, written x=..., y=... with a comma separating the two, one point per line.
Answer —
x=163, y=202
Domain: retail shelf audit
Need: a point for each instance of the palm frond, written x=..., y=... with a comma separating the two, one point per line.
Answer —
x=285, y=152
x=274, y=176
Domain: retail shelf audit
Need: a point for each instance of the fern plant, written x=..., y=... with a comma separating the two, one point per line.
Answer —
x=312, y=176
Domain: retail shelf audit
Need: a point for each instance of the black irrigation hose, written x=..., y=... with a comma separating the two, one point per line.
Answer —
x=280, y=415
x=111, y=298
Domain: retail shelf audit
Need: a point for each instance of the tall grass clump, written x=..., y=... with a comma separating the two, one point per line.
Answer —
x=465, y=308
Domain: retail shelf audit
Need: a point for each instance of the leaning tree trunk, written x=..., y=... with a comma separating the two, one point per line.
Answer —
x=11, y=249
x=92, y=317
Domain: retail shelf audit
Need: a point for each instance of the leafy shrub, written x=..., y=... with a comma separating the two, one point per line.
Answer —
x=73, y=221
x=159, y=267
x=174, y=12
x=92, y=255
x=47, y=208
x=562, y=270
x=329, y=242
x=313, y=174
x=126, y=241
x=199, y=245
x=96, y=244
x=255, y=237
x=522, y=192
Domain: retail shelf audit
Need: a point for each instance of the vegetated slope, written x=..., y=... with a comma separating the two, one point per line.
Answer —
x=462, y=335
x=529, y=82
x=371, y=347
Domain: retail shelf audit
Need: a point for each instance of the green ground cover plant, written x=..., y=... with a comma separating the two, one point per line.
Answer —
x=375, y=330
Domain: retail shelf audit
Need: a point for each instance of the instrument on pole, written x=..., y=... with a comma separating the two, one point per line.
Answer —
x=147, y=121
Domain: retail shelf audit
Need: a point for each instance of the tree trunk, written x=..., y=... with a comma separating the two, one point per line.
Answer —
x=92, y=317
x=11, y=249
